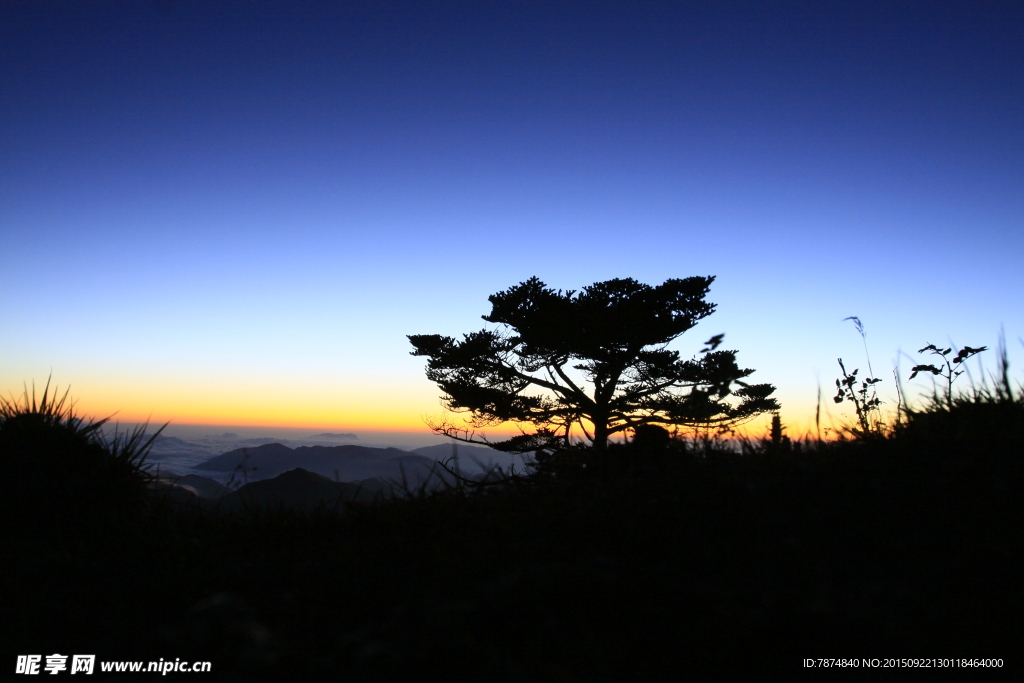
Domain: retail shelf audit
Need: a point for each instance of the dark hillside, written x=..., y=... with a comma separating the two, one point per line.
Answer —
x=679, y=559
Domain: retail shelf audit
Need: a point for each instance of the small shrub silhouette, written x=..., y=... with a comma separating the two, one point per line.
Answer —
x=865, y=397
x=951, y=368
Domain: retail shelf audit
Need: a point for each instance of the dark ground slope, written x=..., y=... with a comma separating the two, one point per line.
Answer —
x=660, y=564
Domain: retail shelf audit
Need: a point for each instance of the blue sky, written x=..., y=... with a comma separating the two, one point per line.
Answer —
x=233, y=213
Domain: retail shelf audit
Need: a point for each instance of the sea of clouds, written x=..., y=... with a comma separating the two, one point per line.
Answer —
x=176, y=452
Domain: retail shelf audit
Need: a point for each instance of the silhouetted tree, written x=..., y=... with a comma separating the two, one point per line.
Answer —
x=595, y=360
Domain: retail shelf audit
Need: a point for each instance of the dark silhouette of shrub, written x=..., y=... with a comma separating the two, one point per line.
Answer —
x=67, y=478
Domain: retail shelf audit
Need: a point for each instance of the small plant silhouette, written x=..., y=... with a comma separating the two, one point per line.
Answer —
x=951, y=369
x=779, y=441
x=864, y=399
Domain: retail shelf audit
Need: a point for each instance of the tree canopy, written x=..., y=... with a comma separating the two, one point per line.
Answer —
x=589, y=364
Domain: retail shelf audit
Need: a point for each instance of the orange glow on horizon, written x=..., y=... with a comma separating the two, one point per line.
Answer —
x=394, y=408
x=392, y=421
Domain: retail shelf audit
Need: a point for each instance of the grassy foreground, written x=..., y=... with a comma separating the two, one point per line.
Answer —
x=665, y=559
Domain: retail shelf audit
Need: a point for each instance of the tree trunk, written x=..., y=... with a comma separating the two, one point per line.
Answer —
x=600, y=433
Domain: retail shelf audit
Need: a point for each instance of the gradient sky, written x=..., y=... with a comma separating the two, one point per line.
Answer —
x=234, y=212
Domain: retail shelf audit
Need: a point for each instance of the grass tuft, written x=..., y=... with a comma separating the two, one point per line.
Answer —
x=73, y=485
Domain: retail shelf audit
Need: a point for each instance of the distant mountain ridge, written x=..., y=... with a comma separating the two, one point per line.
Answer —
x=338, y=463
x=350, y=462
